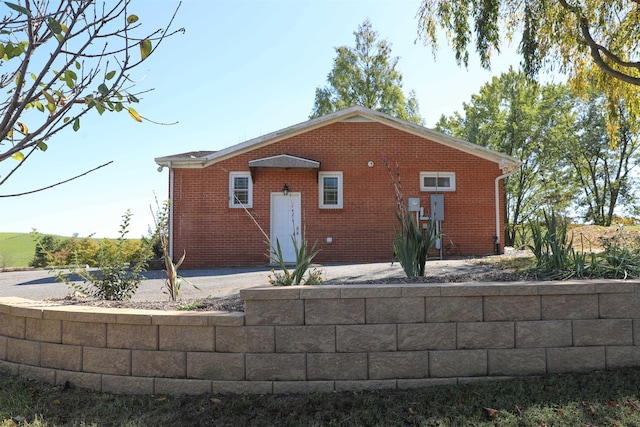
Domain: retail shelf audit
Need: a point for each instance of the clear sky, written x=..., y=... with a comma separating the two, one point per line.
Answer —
x=241, y=70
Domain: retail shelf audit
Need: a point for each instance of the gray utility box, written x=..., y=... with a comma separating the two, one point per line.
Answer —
x=437, y=207
x=414, y=204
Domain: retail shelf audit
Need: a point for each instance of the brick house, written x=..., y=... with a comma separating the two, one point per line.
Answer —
x=327, y=179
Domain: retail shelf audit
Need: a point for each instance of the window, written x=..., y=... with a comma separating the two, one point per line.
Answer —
x=330, y=190
x=437, y=181
x=240, y=190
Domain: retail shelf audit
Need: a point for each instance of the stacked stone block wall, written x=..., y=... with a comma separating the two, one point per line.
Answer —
x=330, y=338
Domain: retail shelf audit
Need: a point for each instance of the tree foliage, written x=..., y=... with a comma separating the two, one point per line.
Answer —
x=602, y=168
x=596, y=43
x=567, y=34
x=569, y=162
x=366, y=75
x=61, y=59
x=515, y=115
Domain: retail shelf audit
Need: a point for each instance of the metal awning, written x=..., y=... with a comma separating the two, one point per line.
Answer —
x=284, y=161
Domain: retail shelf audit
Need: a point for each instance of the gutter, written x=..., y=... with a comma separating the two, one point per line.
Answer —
x=497, y=192
x=171, y=180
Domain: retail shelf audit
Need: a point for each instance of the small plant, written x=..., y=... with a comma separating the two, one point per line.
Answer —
x=173, y=281
x=619, y=262
x=314, y=278
x=294, y=277
x=304, y=257
x=553, y=248
x=410, y=245
x=556, y=258
x=191, y=306
x=116, y=278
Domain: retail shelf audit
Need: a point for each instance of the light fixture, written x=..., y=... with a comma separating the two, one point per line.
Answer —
x=285, y=190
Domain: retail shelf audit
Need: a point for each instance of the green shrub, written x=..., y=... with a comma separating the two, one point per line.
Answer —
x=45, y=245
x=117, y=277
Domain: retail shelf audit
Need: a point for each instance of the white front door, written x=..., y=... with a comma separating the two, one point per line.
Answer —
x=285, y=223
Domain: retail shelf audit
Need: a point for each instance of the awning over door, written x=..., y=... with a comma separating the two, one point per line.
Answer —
x=282, y=161
x=285, y=161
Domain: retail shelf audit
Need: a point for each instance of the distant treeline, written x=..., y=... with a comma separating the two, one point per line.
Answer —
x=63, y=251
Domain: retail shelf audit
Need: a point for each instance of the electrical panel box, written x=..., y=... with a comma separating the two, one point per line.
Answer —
x=437, y=207
x=414, y=204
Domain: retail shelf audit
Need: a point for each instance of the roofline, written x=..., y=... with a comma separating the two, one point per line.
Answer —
x=504, y=161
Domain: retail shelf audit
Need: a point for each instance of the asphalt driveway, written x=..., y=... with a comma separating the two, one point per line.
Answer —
x=41, y=284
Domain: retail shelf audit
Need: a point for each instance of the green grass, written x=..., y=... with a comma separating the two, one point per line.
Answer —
x=595, y=399
x=16, y=249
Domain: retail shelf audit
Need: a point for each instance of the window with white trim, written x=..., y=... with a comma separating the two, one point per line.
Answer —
x=240, y=190
x=437, y=181
x=330, y=190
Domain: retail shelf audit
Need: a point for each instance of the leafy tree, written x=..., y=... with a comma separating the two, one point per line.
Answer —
x=515, y=115
x=366, y=76
x=61, y=59
x=44, y=245
x=596, y=43
x=600, y=167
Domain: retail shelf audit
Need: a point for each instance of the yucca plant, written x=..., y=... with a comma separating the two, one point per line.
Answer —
x=556, y=258
x=304, y=257
x=411, y=246
x=408, y=247
x=553, y=248
x=619, y=263
x=173, y=281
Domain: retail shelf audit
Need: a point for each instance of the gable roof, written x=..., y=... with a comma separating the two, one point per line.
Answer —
x=202, y=159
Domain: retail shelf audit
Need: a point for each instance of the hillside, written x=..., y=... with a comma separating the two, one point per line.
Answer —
x=16, y=249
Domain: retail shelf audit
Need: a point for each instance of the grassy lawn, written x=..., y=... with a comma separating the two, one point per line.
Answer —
x=597, y=399
x=16, y=249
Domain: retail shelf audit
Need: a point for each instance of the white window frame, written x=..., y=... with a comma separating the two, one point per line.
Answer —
x=321, y=177
x=232, y=189
x=437, y=175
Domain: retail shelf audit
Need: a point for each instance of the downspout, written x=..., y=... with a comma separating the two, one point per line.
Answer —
x=171, y=210
x=497, y=190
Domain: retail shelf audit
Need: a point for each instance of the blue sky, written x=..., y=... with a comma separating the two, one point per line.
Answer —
x=242, y=69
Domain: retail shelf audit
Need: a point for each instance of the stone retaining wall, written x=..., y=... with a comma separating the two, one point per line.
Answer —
x=326, y=338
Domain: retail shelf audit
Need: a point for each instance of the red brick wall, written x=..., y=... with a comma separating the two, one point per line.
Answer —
x=215, y=235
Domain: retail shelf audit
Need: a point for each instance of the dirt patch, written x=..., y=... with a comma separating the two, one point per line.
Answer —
x=594, y=237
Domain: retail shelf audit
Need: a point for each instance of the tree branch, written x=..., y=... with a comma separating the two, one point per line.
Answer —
x=596, y=49
x=56, y=184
